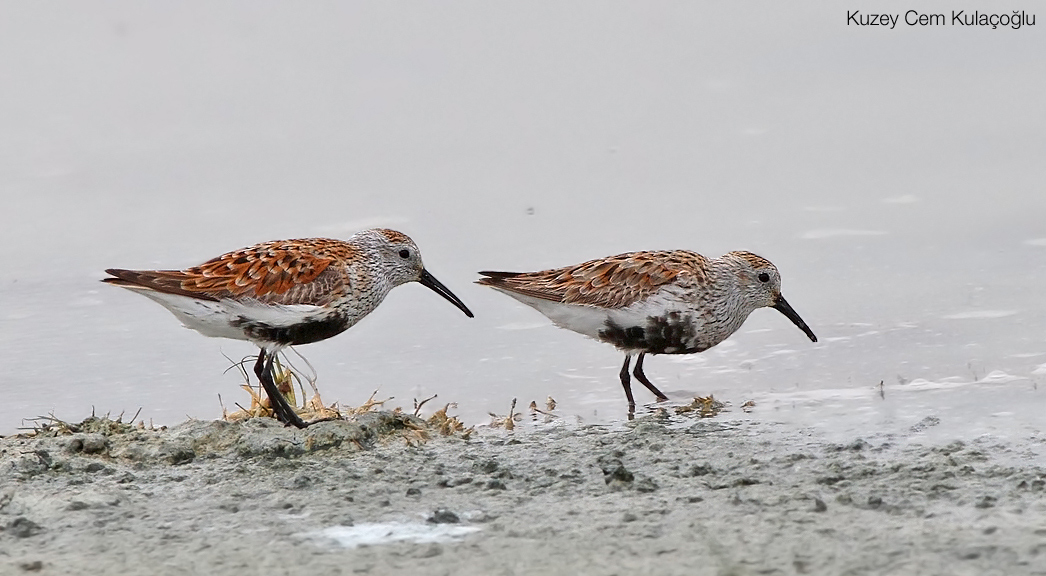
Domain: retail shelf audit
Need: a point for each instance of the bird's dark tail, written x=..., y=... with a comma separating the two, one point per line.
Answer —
x=166, y=281
x=496, y=278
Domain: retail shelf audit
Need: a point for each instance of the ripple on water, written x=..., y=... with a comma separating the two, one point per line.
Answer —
x=905, y=199
x=980, y=314
x=822, y=233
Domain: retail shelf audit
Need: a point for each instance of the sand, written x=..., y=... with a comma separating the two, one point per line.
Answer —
x=665, y=494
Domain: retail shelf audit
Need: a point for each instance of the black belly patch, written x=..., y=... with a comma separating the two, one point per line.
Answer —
x=305, y=332
x=672, y=333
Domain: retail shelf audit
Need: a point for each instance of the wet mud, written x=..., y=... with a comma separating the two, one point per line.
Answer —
x=387, y=493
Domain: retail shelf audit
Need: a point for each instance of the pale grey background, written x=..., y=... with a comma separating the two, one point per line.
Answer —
x=894, y=176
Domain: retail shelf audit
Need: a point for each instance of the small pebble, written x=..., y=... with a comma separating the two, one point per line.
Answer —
x=93, y=444
x=23, y=527
x=443, y=516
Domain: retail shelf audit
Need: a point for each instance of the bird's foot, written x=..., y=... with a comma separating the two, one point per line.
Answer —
x=288, y=416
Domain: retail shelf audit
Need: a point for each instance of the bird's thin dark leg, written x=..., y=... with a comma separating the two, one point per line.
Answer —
x=626, y=382
x=643, y=379
x=283, y=411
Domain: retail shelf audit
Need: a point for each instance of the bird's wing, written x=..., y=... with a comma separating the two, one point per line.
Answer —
x=613, y=282
x=292, y=272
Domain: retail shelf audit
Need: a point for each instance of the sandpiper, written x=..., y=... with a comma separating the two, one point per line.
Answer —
x=286, y=292
x=664, y=302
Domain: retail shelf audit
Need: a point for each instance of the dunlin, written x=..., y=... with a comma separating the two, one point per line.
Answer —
x=669, y=302
x=286, y=292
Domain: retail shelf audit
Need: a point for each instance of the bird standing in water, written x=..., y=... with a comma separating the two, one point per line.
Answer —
x=663, y=302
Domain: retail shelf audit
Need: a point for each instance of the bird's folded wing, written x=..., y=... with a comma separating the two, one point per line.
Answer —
x=613, y=282
x=272, y=274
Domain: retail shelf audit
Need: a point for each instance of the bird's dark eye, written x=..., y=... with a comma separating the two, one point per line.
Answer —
x=764, y=277
x=404, y=253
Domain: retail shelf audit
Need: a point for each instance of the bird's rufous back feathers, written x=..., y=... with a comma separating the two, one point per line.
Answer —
x=613, y=282
x=278, y=272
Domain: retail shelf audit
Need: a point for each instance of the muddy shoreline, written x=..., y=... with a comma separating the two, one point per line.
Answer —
x=387, y=493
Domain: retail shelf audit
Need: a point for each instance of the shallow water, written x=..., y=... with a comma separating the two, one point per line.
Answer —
x=894, y=176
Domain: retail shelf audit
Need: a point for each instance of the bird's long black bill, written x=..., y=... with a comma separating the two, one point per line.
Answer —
x=785, y=308
x=429, y=281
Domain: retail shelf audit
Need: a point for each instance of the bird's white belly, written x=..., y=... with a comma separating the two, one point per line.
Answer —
x=630, y=328
x=222, y=319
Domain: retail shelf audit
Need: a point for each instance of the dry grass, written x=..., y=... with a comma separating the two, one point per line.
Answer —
x=285, y=376
x=506, y=422
x=448, y=425
x=702, y=407
x=52, y=426
x=440, y=422
x=546, y=414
